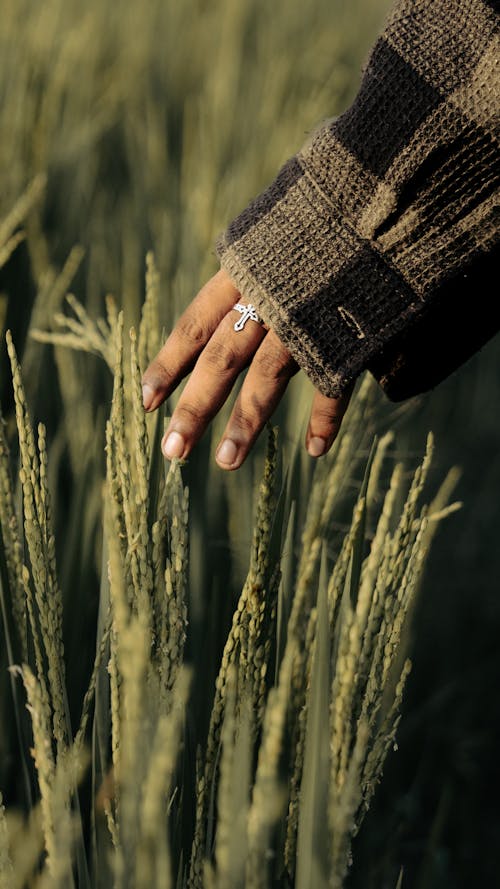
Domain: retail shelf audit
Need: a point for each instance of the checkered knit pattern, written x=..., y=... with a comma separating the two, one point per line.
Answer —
x=373, y=247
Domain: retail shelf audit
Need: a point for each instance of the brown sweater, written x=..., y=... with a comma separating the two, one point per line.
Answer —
x=375, y=245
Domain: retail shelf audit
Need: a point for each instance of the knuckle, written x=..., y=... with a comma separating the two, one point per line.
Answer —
x=189, y=414
x=274, y=363
x=222, y=358
x=192, y=329
x=158, y=375
x=331, y=416
x=245, y=422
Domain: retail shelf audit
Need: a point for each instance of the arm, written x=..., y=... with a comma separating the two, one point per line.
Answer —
x=370, y=240
x=359, y=254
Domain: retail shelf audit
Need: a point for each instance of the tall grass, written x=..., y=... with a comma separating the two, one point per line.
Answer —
x=311, y=677
x=131, y=130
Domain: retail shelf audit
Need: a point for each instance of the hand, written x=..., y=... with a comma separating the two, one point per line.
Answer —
x=204, y=341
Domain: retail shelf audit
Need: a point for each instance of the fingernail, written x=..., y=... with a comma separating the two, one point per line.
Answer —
x=148, y=393
x=227, y=452
x=316, y=446
x=174, y=445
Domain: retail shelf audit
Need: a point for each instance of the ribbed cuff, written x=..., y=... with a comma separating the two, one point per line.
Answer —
x=327, y=293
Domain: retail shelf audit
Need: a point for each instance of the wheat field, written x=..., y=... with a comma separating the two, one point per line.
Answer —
x=203, y=674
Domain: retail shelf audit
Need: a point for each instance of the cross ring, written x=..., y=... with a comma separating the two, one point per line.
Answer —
x=248, y=313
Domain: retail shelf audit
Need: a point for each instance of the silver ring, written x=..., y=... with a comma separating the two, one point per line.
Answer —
x=248, y=313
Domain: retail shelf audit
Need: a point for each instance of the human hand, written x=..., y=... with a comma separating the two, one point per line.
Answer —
x=204, y=341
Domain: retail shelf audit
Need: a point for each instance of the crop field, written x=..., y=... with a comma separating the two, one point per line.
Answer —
x=280, y=678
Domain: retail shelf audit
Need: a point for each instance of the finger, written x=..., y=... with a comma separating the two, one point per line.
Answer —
x=189, y=336
x=325, y=421
x=226, y=354
x=270, y=371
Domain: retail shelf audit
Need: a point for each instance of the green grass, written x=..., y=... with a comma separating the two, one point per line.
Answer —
x=302, y=716
x=142, y=127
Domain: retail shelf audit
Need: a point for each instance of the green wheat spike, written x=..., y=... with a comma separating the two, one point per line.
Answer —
x=6, y=868
x=313, y=840
x=236, y=651
x=42, y=556
x=12, y=545
x=149, y=328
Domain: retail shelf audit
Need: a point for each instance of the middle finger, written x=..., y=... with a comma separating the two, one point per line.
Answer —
x=265, y=383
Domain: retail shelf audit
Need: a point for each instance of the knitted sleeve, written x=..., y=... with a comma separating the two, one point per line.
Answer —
x=367, y=249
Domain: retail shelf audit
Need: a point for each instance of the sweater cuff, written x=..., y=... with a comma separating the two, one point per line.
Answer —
x=327, y=293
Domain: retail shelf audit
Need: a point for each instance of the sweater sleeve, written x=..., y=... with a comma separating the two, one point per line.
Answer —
x=366, y=250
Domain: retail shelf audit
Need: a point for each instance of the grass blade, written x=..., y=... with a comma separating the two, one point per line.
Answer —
x=313, y=835
x=9, y=632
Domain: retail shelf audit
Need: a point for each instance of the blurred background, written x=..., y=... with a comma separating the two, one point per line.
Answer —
x=140, y=126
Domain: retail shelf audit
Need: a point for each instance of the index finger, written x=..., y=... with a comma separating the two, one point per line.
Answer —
x=189, y=336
